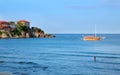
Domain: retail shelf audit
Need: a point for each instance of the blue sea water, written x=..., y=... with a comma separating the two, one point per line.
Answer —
x=66, y=54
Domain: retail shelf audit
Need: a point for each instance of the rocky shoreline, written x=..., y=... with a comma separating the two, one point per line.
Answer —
x=21, y=29
x=25, y=34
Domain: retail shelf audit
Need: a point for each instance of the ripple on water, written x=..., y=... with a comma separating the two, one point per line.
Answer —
x=21, y=67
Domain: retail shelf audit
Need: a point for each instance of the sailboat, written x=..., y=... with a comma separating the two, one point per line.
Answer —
x=91, y=38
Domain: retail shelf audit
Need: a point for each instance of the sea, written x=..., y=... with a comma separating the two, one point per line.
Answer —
x=66, y=54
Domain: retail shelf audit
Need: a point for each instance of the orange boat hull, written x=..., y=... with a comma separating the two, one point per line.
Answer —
x=91, y=38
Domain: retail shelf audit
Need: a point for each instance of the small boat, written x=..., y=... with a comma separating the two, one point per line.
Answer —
x=91, y=38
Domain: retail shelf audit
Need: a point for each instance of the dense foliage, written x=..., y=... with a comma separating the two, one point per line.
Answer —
x=0, y=33
x=20, y=28
x=35, y=29
x=23, y=31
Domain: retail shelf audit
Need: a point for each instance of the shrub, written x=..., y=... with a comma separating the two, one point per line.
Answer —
x=0, y=33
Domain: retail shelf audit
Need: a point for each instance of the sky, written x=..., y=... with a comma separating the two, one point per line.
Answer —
x=65, y=16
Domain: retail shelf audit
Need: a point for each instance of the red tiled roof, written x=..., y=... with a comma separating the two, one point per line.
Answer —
x=1, y=21
x=22, y=21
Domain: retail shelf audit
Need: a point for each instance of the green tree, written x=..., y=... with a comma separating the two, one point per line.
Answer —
x=16, y=32
x=25, y=28
x=35, y=29
x=11, y=22
x=18, y=29
x=0, y=33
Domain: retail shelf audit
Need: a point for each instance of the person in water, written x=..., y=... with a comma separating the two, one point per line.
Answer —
x=94, y=58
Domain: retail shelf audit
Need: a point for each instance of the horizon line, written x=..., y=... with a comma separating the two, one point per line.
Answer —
x=83, y=33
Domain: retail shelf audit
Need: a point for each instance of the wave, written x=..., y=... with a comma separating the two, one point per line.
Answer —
x=109, y=63
x=105, y=68
x=22, y=65
x=82, y=55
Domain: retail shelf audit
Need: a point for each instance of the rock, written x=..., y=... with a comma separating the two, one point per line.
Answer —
x=27, y=35
x=49, y=36
x=36, y=34
x=4, y=35
x=23, y=34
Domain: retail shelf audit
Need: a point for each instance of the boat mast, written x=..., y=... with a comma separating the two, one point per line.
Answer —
x=95, y=30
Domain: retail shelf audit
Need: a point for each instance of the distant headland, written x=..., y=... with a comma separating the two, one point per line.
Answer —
x=21, y=29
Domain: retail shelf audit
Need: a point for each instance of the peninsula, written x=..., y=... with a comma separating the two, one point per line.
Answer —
x=21, y=29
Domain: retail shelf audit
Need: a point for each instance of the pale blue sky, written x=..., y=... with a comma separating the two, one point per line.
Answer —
x=65, y=16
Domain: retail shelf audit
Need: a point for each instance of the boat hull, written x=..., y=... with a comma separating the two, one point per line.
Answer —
x=90, y=38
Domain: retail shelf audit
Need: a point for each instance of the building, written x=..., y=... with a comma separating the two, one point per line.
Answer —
x=8, y=26
x=4, y=25
x=12, y=24
x=24, y=23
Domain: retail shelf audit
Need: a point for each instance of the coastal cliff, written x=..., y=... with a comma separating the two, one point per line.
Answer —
x=21, y=30
x=25, y=32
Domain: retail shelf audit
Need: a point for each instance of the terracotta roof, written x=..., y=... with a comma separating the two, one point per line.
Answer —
x=22, y=21
x=1, y=21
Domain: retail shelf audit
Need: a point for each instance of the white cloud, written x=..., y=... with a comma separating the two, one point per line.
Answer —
x=111, y=3
x=83, y=6
x=115, y=2
x=99, y=4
